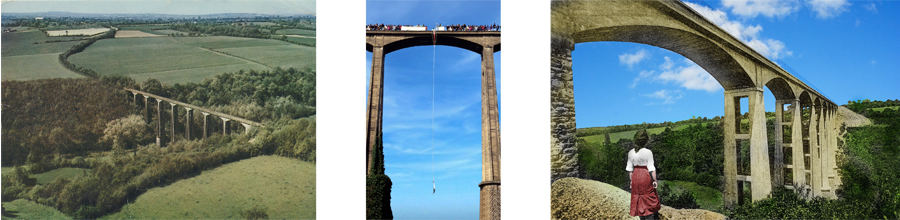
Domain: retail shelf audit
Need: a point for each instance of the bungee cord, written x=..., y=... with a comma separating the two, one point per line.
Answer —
x=433, y=54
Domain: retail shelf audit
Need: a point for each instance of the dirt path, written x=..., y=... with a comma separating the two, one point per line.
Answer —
x=284, y=187
x=573, y=198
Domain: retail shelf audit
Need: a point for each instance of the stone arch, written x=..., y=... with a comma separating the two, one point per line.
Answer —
x=709, y=55
x=781, y=89
x=381, y=43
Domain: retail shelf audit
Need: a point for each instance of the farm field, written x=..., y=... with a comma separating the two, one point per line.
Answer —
x=881, y=109
x=38, y=66
x=615, y=137
x=296, y=32
x=77, y=32
x=65, y=173
x=269, y=52
x=23, y=43
x=284, y=56
x=283, y=187
x=194, y=74
x=135, y=56
x=167, y=32
x=135, y=33
x=151, y=29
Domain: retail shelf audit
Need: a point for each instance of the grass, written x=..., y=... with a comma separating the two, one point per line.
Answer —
x=66, y=173
x=25, y=209
x=161, y=57
x=37, y=66
x=167, y=32
x=615, y=137
x=296, y=32
x=147, y=28
x=194, y=74
x=285, y=56
x=303, y=40
x=22, y=43
x=221, y=42
x=707, y=198
x=283, y=187
x=895, y=108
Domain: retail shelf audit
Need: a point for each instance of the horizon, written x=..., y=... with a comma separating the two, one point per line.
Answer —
x=181, y=8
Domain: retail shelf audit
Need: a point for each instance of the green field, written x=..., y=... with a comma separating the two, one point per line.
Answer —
x=284, y=56
x=66, y=173
x=302, y=40
x=296, y=32
x=162, y=56
x=615, y=137
x=221, y=42
x=167, y=32
x=22, y=43
x=284, y=187
x=38, y=66
x=895, y=108
x=147, y=28
x=265, y=23
x=25, y=209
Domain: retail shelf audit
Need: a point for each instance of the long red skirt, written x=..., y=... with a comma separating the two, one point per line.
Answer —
x=644, y=200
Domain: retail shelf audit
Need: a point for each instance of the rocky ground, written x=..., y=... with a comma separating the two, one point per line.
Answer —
x=573, y=198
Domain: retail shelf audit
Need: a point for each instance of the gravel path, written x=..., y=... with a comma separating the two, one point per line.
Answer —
x=573, y=198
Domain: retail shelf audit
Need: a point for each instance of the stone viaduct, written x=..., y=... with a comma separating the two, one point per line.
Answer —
x=810, y=148
x=189, y=115
x=381, y=43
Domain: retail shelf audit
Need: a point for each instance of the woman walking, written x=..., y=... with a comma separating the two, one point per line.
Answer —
x=642, y=173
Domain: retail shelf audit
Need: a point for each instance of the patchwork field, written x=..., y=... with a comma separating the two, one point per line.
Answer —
x=285, y=56
x=23, y=43
x=77, y=32
x=296, y=32
x=268, y=52
x=194, y=74
x=138, y=56
x=134, y=33
x=38, y=66
x=283, y=187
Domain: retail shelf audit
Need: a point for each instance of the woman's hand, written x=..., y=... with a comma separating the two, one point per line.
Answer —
x=654, y=184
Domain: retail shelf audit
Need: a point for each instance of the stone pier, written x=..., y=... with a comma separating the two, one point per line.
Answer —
x=174, y=110
x=189, y=117
x=205, y=125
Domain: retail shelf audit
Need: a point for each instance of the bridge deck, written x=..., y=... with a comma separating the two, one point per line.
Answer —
x=219, y=114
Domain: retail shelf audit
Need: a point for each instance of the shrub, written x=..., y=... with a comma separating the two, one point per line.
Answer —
x=126, y=133
x=681, y=200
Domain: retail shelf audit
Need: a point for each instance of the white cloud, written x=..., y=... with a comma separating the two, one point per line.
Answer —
x=643, y=75
x=690, y=76
x=828, y=8
x=667, y=65
x=632, y=59
x=768, y=8
x=858, y=22
x=749, y=34
x=871, y=7
x=667, y=96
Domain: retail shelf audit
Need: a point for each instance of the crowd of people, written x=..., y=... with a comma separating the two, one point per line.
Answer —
x=457, y=27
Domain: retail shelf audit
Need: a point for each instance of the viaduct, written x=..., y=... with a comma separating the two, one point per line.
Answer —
x=743, y=72
x=189, y=114
x=381, y=43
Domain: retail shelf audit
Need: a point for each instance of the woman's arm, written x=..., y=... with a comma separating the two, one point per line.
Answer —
x=653, y=174
x=629, y=179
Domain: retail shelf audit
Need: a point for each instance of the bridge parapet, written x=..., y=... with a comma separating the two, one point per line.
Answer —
x=188, y=114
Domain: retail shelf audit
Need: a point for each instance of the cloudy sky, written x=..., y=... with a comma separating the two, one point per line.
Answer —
x=408, y=108
x=183, y=7
x=846, y=50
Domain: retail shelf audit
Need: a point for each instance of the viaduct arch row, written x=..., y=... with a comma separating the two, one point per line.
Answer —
x=486, y=43
x=743, y=72
x=189, y=116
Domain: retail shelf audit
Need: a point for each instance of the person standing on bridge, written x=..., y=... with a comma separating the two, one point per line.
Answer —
x=642, y=174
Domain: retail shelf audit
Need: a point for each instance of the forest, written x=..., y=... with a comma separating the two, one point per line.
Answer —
x=92, y=123
x=871, y=155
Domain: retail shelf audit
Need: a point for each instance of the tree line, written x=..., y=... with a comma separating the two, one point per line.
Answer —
x=78, y=48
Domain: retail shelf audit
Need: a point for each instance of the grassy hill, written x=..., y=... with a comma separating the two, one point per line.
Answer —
x=283, y=187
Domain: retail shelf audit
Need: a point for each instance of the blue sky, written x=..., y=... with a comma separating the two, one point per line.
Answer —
x=275, y=7
x=407, y=116
x=846, y=50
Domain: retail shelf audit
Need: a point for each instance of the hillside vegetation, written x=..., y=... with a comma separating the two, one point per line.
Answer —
x=115, y=143
x=693, y=155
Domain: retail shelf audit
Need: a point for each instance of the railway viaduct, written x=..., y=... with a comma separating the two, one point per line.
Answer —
x=486, y=43
x=743, y=72
x=189, y=116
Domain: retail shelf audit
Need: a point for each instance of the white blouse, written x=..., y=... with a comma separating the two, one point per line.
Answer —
x=642, y=158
